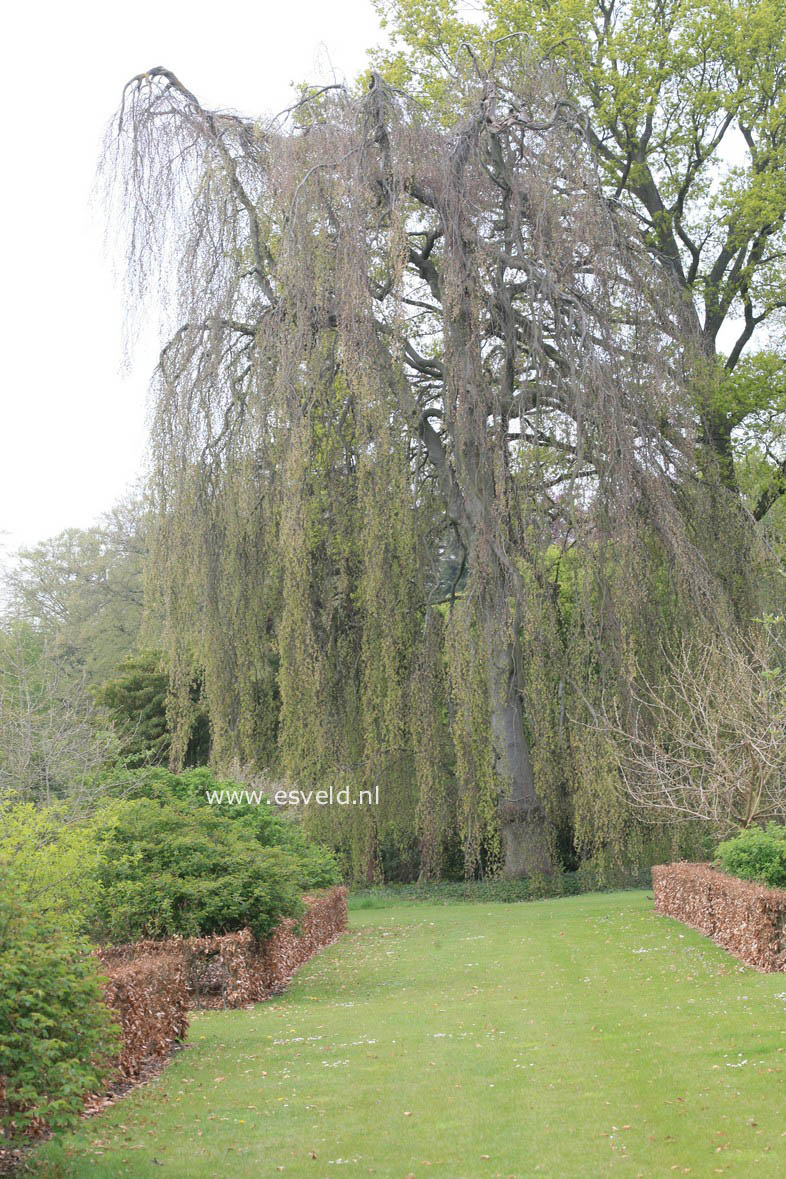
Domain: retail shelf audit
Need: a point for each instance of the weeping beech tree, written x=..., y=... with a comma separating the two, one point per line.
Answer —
x=425, y=469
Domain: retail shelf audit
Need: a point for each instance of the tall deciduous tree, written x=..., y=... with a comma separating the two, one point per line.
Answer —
x=53, y=737
x=84, y=590
x=402, y=347
x=686, y=108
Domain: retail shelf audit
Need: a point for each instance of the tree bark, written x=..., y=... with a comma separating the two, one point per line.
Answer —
x=522, y=819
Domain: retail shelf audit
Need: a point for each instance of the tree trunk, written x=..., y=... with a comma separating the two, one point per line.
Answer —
x=522, y=819
x=469, y=488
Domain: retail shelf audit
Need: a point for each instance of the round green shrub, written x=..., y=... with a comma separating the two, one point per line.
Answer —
x=57, y=1037
x=756, y=854
x=177, y=866
x=191, y=790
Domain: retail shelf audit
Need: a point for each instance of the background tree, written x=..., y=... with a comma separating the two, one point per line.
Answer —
x=84, y=590
x=136, y=698
x=709, y=743
x=686, y=108
x=53, y=737
x=393, y=338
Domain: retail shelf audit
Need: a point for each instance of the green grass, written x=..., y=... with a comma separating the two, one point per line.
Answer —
x=576, y=1037
x=484, y=891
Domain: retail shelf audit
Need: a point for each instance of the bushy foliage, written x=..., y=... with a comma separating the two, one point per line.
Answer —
x=50, y=860
x=170, y=863
x=135, y=696
x=166, y=870
x=156, y=859
x=758, y=853
x=195, y=787
x=57, y=1038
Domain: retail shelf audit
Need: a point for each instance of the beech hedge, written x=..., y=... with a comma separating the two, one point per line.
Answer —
x=150, y=999
x=748, y=920
x=233, y=969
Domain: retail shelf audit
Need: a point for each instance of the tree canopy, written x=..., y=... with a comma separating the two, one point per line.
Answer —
x=686, y=111
x=84, y=590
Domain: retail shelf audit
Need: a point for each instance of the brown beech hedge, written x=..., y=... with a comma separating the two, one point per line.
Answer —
x=152, y=984
x=748, y=920
x=150, y=1000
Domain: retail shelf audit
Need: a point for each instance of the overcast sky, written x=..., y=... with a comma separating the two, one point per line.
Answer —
x=73, y=422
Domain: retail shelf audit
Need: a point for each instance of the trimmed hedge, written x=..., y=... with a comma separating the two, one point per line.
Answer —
x=149, y=988
x=748, y=920
x=150, y=998
x=233, y=969
x=293, y=943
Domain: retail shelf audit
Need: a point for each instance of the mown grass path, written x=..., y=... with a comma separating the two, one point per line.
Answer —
x=576, y=1037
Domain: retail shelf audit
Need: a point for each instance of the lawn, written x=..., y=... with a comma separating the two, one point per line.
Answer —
x=573, y=1037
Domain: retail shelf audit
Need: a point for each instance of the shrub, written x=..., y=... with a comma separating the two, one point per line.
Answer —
x=159, y=860
x=756, y=854
x=179, y=867
x=57, y=1038
x=317, y=867
x=50, y=859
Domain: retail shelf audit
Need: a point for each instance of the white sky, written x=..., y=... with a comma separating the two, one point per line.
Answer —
x=72, y=422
